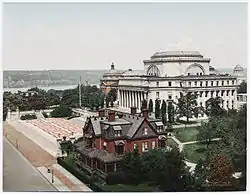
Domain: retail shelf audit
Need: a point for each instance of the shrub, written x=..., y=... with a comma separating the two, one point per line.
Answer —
x=120, y=177
x=28, y=117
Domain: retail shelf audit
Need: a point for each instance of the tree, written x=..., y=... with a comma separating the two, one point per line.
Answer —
x=200, y=175
x=170, y=112
x=107, y=102
x=5, y=112
x=163, y=112
x=144, y=105
x=61, y=111
x=157, y=109
x=187, y=105
x=150, y=106
x=242, y=89
x=102, y=101
x=220, y=170
x=66, y=146
x=213, y=107
x=112, y=94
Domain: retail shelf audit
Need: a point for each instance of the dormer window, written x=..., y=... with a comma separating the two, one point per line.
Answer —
x=145, y=131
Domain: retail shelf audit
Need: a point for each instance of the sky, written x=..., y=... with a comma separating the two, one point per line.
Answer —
x=91, y=36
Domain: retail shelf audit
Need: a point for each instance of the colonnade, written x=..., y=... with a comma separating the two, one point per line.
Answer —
x=128, y=98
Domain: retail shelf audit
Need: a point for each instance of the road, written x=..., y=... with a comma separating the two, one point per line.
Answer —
x=19, y=174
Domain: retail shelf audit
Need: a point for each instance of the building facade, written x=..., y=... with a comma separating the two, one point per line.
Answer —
x=108, y=136
x=168, y=74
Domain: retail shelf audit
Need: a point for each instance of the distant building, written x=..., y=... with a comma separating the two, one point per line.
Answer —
x=108, y=136
x=110, y=79
x=27, y=93
x=168, y=74
x=240, y=73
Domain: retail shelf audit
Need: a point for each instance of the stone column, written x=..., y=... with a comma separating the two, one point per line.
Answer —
x=136, y=99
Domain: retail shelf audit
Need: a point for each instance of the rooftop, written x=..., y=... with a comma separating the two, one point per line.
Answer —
x=177, y=54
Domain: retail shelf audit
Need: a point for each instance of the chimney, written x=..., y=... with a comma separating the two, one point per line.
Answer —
x=101, y=113
x=113, y=66
x=111, y=117
x=145, y=113
x=133, y=110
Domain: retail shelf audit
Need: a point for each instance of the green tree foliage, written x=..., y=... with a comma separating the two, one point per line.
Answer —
x=200, y=175
x=170, y=112
x=157, y=109
x=187, y=105
x=61, y=111
x=5, y=112
x=112, y=95
x=66, y=147
x=213, y=107
x=242, y=88
x=163, y=112
x=150, y=106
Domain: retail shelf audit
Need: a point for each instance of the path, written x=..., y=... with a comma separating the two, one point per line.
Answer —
x=19, y=174
x=41, y=159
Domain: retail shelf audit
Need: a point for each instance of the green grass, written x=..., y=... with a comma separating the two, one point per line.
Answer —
x=194, y=152
x=186, y=135
x=171, y=143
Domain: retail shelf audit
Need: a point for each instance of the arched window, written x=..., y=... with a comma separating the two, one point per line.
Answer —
x=153, y=71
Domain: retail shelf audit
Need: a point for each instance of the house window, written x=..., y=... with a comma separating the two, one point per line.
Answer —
x=201, y=94
x=201, y=83
x=212, y=83
x=145, y=131
x=217, y=93
x=157, y=94
x=105, y=145
x=232, y=92
x=153, y=144
x=118, y=133
x=145, y=147
x=206, y=93
x=200, y=103
x=227, y=92
x=200, y=73
x=217, y=83
x=222, y=83
x=135, y=146
x=222, y=92
x=169, y=97
x=188, y=73
x=169, y=84
x=195, y=83
x=119, y=149
x=232, y=82
x=227, y=82
x=157, y=84
x=206, y=83
x=189, y=84
x=197, y=73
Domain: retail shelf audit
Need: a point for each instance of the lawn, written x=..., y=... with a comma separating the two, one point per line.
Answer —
x=171, y=143
x=186, y=135
x=196, y=151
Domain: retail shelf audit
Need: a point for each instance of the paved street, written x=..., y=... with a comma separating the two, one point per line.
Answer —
x=19, y=174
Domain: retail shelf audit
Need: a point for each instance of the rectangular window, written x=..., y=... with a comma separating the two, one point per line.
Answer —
x=212, y=83
x=169, y=97
x=206, y=83
x=201, y=94
x=227, y=82
x=157, y=84
x=197, y=73
x=227, y=92
x=169, y=84
x=153, y=144
x=232, y=92
x=200, y=103
x=146, y=146
x=188, y=73
x=232, y=82
x=217, y=83
x=195, y=83
x=157, y=94
x=143, y=147
x=200, y=73
x=189, y=84
x=135, y=146
x=201, y=83
x=222, y=83
x=206, y=93
x=145, y=131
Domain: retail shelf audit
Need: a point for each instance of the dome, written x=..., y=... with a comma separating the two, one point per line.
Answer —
x=238, y=68
x=113, y=71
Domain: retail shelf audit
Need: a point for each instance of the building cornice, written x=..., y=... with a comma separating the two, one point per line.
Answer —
x=177, y=60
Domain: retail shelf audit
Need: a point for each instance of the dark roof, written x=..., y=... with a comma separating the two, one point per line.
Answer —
x=102, y=155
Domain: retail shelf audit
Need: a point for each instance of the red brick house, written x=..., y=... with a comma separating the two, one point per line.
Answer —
x=108, y=136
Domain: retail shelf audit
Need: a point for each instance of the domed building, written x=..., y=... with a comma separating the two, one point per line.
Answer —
x=168, y=74
x=110, y=79
x=240, y=73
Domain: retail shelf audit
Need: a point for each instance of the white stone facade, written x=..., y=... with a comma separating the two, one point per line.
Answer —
x=167, y=74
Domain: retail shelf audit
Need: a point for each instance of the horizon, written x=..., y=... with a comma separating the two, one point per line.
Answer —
x=84, y=35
